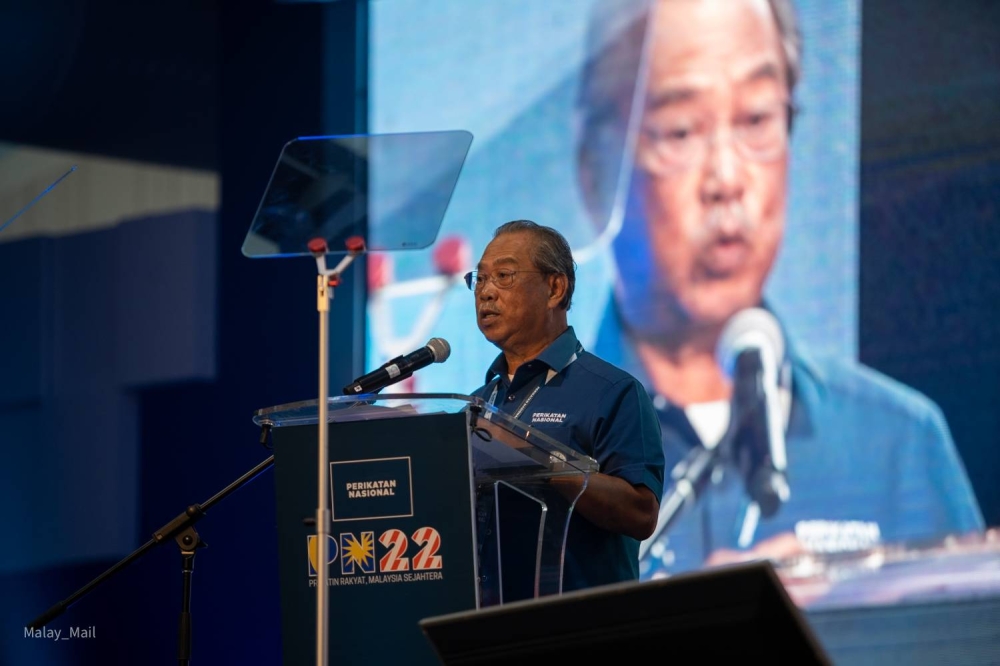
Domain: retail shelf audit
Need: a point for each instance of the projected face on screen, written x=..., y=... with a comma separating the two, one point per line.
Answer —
x=709, y=187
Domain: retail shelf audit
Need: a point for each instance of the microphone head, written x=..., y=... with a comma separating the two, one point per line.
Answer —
x=753, y=328
x=440, y=349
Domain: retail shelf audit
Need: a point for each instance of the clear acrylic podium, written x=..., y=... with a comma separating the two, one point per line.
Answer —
x=439, y=504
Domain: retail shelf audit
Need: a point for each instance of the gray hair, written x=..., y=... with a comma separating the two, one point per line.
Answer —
x=615, y=40
x=551, y=254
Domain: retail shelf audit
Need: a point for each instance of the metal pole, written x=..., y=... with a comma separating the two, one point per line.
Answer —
x=326, y=281
x=322, y=504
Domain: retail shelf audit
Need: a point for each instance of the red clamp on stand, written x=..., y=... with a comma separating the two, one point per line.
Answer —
x=355, y=245
x=318, y=248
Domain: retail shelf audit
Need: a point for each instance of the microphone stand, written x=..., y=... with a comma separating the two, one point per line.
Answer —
x=691, y=476
x=181, y=530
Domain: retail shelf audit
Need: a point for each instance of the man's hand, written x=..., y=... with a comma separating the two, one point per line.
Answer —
x=612, y=503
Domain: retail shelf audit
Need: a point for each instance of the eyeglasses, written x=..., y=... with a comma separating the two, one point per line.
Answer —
x=681, y=140
x=503, y=278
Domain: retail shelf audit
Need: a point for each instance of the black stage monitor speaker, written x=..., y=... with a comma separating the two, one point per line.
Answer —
x=725, y=615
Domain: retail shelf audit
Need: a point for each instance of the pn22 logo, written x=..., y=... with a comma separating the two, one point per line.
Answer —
x=356, y=552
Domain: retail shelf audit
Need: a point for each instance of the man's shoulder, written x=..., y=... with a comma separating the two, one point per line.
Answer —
x=848, y=384
x=604, y=371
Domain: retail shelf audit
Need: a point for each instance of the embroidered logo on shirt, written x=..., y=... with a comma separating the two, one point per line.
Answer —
x=548, y=417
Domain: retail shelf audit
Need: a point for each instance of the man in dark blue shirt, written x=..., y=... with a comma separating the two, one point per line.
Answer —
x=543, y=376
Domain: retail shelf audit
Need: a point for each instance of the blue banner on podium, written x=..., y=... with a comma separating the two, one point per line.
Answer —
x=402, y=543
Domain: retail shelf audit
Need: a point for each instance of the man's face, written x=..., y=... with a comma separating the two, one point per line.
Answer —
x=513, y=318
x=711, y=159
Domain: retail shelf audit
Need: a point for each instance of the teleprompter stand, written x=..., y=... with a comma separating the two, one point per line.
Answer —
x=363, y=193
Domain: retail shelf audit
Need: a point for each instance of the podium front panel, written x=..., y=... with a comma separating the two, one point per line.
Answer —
x=401, y=541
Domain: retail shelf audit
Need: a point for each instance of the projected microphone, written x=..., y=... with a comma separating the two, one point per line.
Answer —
x=750, y=351
x=437, y=350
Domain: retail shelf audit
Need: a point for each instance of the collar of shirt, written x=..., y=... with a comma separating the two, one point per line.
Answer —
x=554, y=358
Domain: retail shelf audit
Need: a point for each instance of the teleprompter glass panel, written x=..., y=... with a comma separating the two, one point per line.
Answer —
x=390, y=189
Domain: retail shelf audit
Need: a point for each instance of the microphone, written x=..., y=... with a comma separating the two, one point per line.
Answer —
x=437, y=350
x=750, y=351
x=690, y=477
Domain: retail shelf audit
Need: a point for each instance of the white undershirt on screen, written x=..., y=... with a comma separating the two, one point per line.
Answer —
x=709, y=420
